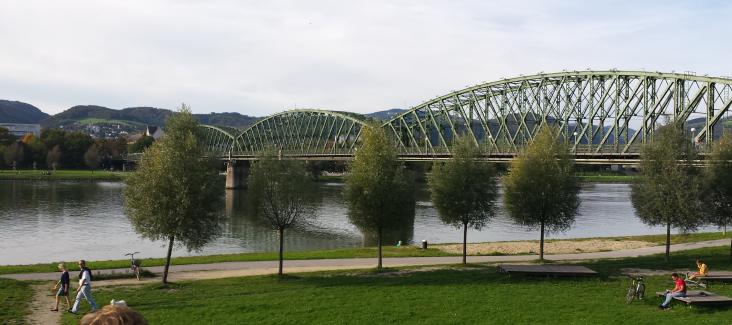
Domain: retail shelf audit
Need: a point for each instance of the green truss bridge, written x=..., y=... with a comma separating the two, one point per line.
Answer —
x=605, y=116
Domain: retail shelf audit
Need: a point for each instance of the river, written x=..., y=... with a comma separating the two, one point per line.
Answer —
x=46, y=221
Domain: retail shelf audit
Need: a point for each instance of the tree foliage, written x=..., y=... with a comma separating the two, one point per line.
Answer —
x=53, y=157
x=176, y=193
x=15, y=154
x=667, y=189
x=379, y=191
x=91, y=157
x=717, y=185
x=282, y=193
x=464, y=190
x=541, y=190
x=141, y=144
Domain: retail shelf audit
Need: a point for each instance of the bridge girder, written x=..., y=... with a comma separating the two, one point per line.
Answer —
x=604, y=115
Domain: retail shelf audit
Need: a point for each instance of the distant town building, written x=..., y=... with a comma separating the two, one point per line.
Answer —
x=154, y=131
x=20, y=130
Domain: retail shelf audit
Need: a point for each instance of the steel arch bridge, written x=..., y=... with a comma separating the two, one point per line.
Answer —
x=605, y=116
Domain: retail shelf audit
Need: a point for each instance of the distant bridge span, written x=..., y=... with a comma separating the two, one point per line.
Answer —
x=605, y=116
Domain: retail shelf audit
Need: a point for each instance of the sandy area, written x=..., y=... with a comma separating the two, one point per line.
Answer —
x=554, y=247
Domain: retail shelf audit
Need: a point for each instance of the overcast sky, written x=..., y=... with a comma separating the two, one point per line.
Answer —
x=261, y=57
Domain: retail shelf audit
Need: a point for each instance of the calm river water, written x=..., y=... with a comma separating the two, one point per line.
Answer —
x=55, y=221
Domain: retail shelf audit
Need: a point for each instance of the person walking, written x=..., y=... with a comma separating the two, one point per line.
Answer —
x=84, y=290
x=63, y=286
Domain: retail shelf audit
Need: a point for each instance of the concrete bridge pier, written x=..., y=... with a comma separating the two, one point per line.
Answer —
x=236, y=174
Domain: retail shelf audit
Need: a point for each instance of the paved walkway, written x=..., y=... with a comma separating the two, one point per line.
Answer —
x=232, y=269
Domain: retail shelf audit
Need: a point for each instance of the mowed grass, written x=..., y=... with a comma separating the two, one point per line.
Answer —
x=15, y=297
x=25, y=174
x=476, y=294
x=363, y=252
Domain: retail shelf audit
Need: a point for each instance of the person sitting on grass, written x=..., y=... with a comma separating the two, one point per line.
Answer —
x=703, y=270
x=63, y=287
x=678, y=291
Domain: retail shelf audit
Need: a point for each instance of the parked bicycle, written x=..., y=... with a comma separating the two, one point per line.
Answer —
x=134, y=265
x=636, y=290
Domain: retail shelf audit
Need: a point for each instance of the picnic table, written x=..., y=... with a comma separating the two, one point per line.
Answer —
x=705, y=298
x=547, y=270
x=717, y=277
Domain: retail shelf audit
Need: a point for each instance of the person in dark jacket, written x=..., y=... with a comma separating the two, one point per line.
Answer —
x=62, y=287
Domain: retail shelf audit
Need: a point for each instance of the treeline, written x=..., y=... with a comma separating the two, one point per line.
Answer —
x=57, y=148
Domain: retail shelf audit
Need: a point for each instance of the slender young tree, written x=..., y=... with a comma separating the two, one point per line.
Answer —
x=379, y=191
x=717, y=185
x=91, y=157
x=53, y=157
x=175, y=194
x=281, y=192
x=541, y=190
x=666, y=191
x=464, y=190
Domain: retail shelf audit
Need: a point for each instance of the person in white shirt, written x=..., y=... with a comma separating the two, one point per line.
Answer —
x=84, y=290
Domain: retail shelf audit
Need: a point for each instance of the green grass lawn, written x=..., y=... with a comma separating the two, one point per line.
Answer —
x=62, y=175
x=14, y=299
x=452, y=295
x=388, y=251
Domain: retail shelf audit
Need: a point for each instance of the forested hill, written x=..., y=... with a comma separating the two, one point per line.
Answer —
x=137, y=116
x=19, y=112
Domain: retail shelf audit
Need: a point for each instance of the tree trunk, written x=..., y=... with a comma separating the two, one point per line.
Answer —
x=378, y=243
x=282, y=235
x=730, y=249
x=668, y=242
x=167, y=259
x=541, y=243
x=465, y=242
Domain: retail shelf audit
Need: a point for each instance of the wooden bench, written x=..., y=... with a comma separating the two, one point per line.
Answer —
x=547, y=270
x=699, y=298
x=716, y=278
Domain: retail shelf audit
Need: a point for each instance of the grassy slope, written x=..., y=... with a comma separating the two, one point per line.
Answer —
x=14, y=299
x=62, y=175
x=447, y=296
x=388, y=251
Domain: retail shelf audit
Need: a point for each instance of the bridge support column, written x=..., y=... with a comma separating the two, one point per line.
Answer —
x=236, y=174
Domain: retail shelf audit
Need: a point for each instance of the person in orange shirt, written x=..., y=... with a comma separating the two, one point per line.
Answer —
x=678, y=291
x=703, y=270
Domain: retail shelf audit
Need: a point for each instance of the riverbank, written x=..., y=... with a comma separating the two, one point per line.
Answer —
x=434, y=294
x=572, y=246
x=99, y=175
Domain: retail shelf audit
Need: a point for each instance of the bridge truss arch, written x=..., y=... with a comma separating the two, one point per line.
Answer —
x=303, y=132
x=217, y=140
x=600, y=113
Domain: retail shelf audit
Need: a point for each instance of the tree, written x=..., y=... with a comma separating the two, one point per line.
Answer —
x=176, y=193
x=666, y=190
x=6, y=138
x=91, y=157
x=717, y=185
x=281, y=192
x=141, y=144
x=541, y=190
x=75, y=146
x=36, y=149
x=53, y=157
x=379, y=191
x=15, y=154
x=464, y=190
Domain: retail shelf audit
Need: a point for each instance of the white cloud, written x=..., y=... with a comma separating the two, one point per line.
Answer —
x=258, y=57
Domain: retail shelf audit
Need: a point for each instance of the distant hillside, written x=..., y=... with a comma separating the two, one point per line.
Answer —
x=19, y=112
x=135, y=117
x=387, y=114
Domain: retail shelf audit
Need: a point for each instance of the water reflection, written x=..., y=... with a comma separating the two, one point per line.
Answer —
x=53, y=221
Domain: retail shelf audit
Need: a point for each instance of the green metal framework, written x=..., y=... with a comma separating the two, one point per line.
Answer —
x=218, y=140
x=302, y=132
x=604, y=115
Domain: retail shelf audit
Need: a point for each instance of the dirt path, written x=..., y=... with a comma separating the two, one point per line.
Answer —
x=40, y=308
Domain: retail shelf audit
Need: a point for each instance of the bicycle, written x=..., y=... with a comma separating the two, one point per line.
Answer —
x=134, y=265
x=636, y=290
